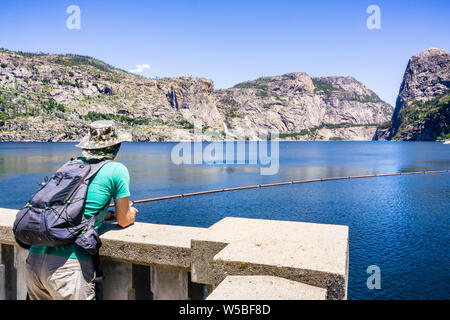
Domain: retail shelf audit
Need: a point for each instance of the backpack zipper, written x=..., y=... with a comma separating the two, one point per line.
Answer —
x=45, y=193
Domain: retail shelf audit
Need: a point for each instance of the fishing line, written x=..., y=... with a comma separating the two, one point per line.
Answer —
x=175, y=196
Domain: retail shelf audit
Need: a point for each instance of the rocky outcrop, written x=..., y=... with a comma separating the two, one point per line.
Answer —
x=53, y=98
x=297, y=105
x=422, y=110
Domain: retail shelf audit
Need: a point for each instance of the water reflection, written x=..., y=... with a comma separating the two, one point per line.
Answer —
x=150, y=164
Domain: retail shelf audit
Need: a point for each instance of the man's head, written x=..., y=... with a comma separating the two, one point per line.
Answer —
x=103, y=140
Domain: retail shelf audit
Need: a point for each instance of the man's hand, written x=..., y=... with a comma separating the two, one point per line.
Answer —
x=133, y=210
x=125, y=213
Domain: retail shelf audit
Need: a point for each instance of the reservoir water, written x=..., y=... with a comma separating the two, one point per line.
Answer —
x=400, y=224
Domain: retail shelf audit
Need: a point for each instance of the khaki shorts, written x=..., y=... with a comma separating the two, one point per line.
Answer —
x=51, y=277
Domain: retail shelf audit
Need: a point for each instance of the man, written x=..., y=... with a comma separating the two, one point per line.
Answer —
x=67, y=272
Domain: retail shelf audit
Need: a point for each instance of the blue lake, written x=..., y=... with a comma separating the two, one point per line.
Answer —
x=400, y=223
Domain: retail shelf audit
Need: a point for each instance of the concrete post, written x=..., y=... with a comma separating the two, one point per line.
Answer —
x=20, y=255
x=10, y=272
x=117, y=284
x=169, y=284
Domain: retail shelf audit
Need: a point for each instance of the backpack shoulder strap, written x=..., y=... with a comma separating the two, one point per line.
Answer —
x=95, y=167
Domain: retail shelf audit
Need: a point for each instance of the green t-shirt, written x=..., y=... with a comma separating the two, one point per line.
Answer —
x=112, y=180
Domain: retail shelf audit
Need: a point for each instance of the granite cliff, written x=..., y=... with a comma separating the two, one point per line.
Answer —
x=305, y=108
x=45, y=97
x=422, y=110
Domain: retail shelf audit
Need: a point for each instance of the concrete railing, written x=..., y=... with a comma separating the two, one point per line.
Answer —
x=235, y=258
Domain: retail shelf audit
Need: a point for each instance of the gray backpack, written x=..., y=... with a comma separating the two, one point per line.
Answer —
x=54, y=216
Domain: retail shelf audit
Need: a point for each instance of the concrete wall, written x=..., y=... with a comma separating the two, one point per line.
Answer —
x=151, y=261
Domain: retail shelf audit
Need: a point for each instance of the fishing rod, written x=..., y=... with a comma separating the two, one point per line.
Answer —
x=279, y=184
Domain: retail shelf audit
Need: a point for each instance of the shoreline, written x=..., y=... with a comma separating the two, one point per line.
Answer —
x=210, y=141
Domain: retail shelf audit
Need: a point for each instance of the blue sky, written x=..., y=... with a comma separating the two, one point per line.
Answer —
x=233, y=41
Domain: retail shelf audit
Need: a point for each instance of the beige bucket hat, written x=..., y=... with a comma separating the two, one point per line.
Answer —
x=103, y=134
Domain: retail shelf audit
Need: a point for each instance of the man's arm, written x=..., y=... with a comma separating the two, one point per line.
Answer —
x=125, y=213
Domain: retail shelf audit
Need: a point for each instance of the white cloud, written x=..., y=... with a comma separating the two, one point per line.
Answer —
x=140, y=68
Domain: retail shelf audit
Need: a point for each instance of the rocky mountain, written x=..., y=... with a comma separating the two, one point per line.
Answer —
x=45, y=97
x=54, y=97
x=422, y=110
x=305, y=108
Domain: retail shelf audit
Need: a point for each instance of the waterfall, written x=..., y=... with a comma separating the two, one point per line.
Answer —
x=227, y=132
x=174, y=99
